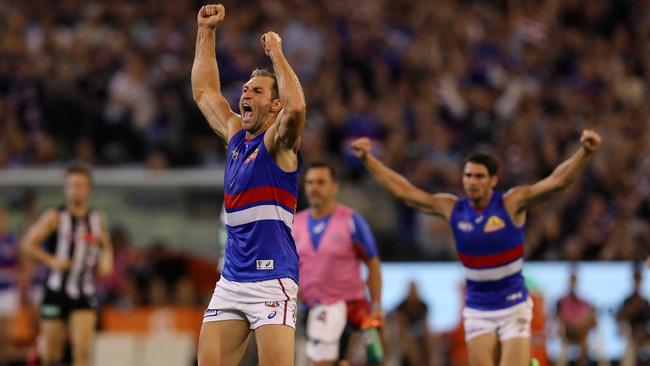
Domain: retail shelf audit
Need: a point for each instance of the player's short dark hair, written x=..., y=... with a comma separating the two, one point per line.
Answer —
x=489, y=161
x=269, y=74
x=328, y=166
x=79, y=168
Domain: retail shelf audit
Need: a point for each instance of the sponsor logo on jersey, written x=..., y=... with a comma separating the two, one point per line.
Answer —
x=494, y=223
x=272, y=304
x=90, y=239
x=235, y=154
x=337, y=237
x=252, y=156
x=465, y=226
x=264, y=264
x=272, y=315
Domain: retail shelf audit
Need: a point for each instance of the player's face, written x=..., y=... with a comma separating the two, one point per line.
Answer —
x=320, y=187
x=77, y=187
x=477, y=182
x=256, y=102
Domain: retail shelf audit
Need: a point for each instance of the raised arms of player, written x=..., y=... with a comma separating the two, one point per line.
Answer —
x=31, y=244
x=440, y=204
x=105, y=266
x=519, y=198
x=206, y=87
x=283, y=138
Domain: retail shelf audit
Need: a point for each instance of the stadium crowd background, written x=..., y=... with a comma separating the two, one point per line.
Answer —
x=108, y=82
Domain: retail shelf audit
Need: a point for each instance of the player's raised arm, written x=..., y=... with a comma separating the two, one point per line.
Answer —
x=206, y=87
x=291, y=119
x=440, y=204
x=521, y=197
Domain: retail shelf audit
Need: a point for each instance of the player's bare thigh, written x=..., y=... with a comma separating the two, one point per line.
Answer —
x=483, y=350
x=53, y=333
x=515, y=352
x=223, y=343
x=275, y=345
x=82, y=333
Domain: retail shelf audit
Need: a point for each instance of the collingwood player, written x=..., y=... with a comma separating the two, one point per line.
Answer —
x=71, y=241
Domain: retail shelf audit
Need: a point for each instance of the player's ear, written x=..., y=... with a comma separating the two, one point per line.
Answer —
x=276, y=105
x=494, y=180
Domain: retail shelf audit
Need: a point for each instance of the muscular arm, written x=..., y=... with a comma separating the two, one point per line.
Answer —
x=283, y=138
x=38, y=232
x=518, y=199
x=106, y=257
x=291, y=120
x=440, y=204
x=206, y=87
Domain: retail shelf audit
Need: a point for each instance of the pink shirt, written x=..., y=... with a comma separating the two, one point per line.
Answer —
x=331, y=272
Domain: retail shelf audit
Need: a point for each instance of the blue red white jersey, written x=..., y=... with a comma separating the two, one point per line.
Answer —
x=8, y=261
x=491, y=249
x=260, y=202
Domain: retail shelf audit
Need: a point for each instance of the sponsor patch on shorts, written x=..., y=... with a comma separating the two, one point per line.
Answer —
x=264, y=264
x=210, y=312
x=50, y=311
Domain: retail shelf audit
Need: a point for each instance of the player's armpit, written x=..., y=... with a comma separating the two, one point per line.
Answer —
x=290, y=123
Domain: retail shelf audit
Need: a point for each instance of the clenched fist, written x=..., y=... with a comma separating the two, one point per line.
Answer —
x=271, y=42
x=211, y=15
x=361, y=147
x=590, y=140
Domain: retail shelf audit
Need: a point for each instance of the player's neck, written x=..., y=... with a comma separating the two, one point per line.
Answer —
x=265, y=126
x=77, y=209
x=253, y=134
x=322, y=211
x=481, y=204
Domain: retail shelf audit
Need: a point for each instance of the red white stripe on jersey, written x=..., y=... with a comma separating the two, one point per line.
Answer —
x=267, y=203
x=493, y=274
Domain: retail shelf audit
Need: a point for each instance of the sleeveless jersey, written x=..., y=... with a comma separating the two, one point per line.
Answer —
x=260, y=202
x=77, y=240
x=491, y=249
x=329, y=269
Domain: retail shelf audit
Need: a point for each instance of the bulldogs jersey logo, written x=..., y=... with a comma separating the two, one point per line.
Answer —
x=494, y=223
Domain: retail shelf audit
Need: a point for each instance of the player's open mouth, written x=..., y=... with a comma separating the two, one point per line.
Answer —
x=246, y=110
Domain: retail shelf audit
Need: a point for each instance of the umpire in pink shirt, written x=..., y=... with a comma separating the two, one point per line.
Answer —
x=332, y=241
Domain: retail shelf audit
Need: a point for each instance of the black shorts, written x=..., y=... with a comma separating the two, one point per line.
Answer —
x=57, y=305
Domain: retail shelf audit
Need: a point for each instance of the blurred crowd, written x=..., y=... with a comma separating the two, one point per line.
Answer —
x=108, y=82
